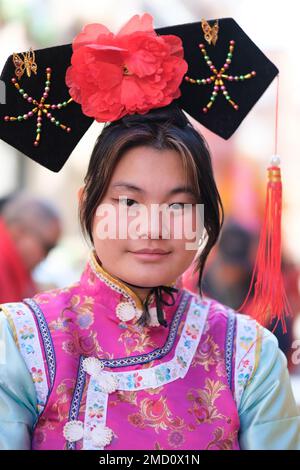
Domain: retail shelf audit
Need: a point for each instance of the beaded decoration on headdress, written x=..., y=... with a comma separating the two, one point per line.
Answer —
x=40, y=109
x=218, y=77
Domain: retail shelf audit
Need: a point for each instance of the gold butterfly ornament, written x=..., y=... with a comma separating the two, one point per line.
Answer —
x=210, y=32
x=27, y=63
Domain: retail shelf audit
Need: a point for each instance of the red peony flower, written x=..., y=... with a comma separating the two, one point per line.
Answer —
x=129, y=72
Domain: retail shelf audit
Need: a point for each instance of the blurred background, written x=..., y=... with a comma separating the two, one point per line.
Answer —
x=240, y=163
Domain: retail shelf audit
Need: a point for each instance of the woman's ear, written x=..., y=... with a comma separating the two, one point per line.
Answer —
x=80, y=194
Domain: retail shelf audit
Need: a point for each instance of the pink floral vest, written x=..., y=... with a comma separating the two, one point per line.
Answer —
x=106, y=383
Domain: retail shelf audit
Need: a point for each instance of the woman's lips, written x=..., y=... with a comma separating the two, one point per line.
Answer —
x=150, y=256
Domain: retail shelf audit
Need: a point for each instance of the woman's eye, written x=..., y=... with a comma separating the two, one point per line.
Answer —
x=126, y=201
x=178, y=205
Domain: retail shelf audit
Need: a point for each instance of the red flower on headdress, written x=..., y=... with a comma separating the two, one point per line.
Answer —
x=129, y=72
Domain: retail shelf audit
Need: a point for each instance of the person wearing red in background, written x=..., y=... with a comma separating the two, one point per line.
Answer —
x=29, y=229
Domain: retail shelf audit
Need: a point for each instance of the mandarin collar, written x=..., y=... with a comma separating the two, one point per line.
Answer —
x=99, y=281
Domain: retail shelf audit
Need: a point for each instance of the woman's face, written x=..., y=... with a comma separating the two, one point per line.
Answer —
x=144, y=179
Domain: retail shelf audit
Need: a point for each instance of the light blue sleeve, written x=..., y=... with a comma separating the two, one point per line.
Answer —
x=18, y=401
x=269, y=418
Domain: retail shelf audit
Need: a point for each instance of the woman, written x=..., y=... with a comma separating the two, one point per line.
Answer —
x=126, y=358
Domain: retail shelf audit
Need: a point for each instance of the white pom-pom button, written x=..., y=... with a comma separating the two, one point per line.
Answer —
x=108, y=383
x=73, y=431
x=101, y=435
x=92, y=366
x=125, y=311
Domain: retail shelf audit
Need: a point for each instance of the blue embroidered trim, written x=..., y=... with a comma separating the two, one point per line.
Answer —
x=156, y=353
x=76, y=399
x=47, y=339
x=230, y=333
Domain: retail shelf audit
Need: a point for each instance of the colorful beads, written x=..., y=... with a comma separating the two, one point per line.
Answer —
x=219, y=77
x=40, y=108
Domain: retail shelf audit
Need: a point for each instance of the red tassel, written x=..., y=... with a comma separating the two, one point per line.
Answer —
x=269, y=301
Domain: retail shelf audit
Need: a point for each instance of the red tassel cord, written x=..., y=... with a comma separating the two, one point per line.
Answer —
x=269, y=301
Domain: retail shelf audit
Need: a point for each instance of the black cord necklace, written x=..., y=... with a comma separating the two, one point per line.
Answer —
x=158, y=292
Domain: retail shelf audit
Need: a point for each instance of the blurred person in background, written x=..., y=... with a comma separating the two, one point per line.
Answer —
x=29, y=228
x=227, y=278
x=228, y=273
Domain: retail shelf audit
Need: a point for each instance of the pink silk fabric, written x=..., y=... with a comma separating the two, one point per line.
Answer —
x=193, y=411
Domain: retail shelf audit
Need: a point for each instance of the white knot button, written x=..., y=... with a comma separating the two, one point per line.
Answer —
x=73, y=431
x=101, y=435
x=107, y=381
x=92, y=366
x=125, y=311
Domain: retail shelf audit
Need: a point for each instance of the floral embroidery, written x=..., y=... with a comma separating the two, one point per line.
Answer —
x=203, y=401
x=124, y=396
x=26, y=332
x=245, y=341
x=181, y=361
x=192, y=330
x=30, y=348
x=37, y=375
x=156, y=414
x=134, y=380
x=163, y=373
x=61, y=324
x=20, y=312
x=176, y=439
x=187, y=344
x=40, y=434
x=221, y=442
x=84, y=310
x=135, y=338
x=46, y=297
x=82, y=307
x=82, y=344
x=64, y=391
x=154, y=391
x=246, y=350
x=209, y=355
x=96, y=411
x=95, y=414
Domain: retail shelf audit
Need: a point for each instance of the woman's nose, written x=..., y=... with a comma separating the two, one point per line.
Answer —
x=155, y=223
